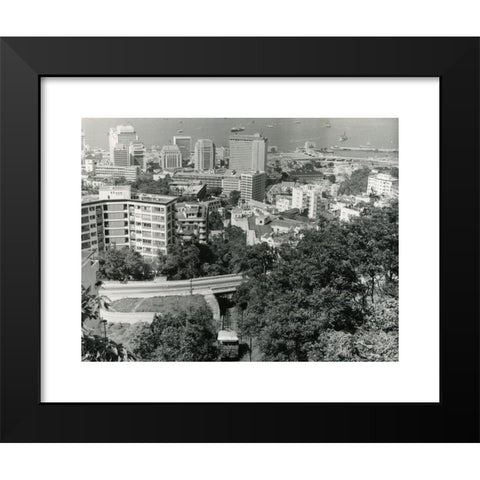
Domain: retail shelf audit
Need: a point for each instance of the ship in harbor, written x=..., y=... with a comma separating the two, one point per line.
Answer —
x=343, y=138
x=237, y=129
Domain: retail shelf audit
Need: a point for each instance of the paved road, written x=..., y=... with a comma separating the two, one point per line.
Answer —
x=201, y=286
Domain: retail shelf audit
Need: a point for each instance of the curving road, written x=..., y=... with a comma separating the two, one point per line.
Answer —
x=200, y=286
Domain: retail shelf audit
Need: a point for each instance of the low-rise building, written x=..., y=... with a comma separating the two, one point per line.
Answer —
x=195, y=191
x=130, y=173
x=283, y=202
x=211, y=179
x=347, y=213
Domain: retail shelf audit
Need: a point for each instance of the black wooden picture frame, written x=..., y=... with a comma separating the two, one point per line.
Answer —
x=24, y=61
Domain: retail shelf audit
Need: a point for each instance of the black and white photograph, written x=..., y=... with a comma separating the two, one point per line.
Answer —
x=240, y=239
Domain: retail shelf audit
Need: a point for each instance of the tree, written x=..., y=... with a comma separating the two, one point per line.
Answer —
x=356, y=183
x=257, y=260
x=182, y=262
x=215, y=221
x=92, y=304
x=94, y=347
x=234, y=197
x=123, y=264
x=325, y=299
x=331, y=178
x=146, y=184
x=187, y=336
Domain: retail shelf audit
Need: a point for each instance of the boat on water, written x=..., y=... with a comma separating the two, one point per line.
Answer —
x=328, y=124
x=297, y=122
x=237, y=129
x=179, y=131
x=343, y=138
x=270, y=126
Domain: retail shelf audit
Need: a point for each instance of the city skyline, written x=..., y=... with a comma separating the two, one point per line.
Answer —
x=284, y=132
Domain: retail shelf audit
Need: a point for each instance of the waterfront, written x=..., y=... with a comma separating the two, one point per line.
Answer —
x=285, y=133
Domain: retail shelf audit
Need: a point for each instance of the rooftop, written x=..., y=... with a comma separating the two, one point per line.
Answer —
x=227, y=336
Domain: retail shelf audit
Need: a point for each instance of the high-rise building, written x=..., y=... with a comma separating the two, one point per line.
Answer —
x=248, y=152
x=137, y=154
x=221, y=155
x=121, y=135
x=185, y=145
x=142, y=222
x=170, y=157
x=83, y=144
x=121, y=155
x=204, y=154
x=252, y=186
x=230, y=183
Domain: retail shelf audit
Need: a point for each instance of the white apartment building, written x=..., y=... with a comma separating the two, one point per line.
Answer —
x=144, y=222
x=90, y=165
x=308, y=197
x=382, y=184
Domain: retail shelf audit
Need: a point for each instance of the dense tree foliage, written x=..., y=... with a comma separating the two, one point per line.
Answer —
x=146, y=184
x=92, y=304
x=215, y=221
x=331, y=178
x=187, y=336
x=333, y=297
x=356, y=183
x=96, y=348
x=234, y=197
x=182, y=262
x=123, y=264
x=224, y=254
x=102, y=349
